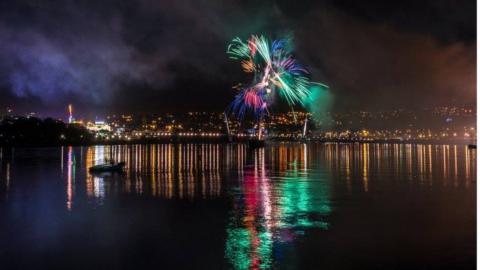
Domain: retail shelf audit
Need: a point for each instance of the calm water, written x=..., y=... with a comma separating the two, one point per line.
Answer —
x=288, y=206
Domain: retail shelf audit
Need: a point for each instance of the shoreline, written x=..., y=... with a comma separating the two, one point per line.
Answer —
x=224, y=140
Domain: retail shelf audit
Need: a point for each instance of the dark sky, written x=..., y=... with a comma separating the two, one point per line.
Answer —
x=157, y=56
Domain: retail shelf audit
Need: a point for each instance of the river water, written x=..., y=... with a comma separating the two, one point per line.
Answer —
x=219, y=206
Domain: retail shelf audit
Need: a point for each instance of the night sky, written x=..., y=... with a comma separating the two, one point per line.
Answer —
x=150, y=56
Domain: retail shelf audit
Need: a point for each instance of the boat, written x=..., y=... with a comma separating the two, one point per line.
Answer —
x=256, y=143
x=110, y=167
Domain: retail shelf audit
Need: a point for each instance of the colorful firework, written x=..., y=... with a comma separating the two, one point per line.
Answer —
x=274, y=70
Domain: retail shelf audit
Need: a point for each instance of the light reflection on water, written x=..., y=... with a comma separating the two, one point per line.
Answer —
x=277, y=194
x=166, y=171
x=271, y=209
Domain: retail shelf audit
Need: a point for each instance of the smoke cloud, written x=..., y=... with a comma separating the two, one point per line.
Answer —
x=151, y=56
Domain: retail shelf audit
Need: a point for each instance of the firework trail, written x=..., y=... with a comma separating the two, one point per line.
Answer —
x=275, y=72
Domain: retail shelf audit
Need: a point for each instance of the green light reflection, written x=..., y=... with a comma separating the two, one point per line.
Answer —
x=270, y=212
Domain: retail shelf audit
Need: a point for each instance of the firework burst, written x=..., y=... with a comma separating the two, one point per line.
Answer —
x=275, y=72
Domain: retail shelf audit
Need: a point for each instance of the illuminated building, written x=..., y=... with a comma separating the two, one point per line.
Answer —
x=98, y=126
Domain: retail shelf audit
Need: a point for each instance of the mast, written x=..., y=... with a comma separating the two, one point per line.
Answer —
x=226, y=124
x=305, y=127
x=229, y=136
x=260, y=127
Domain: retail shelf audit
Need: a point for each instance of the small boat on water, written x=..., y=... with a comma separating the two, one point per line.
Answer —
x=255, y=143
x=111, y=167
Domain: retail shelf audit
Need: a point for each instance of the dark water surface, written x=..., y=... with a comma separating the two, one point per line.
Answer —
x=288, y=206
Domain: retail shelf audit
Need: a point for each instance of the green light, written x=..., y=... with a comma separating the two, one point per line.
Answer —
x=237, y=248
x=318, y=103
x=304, y=199
x=291, y=203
